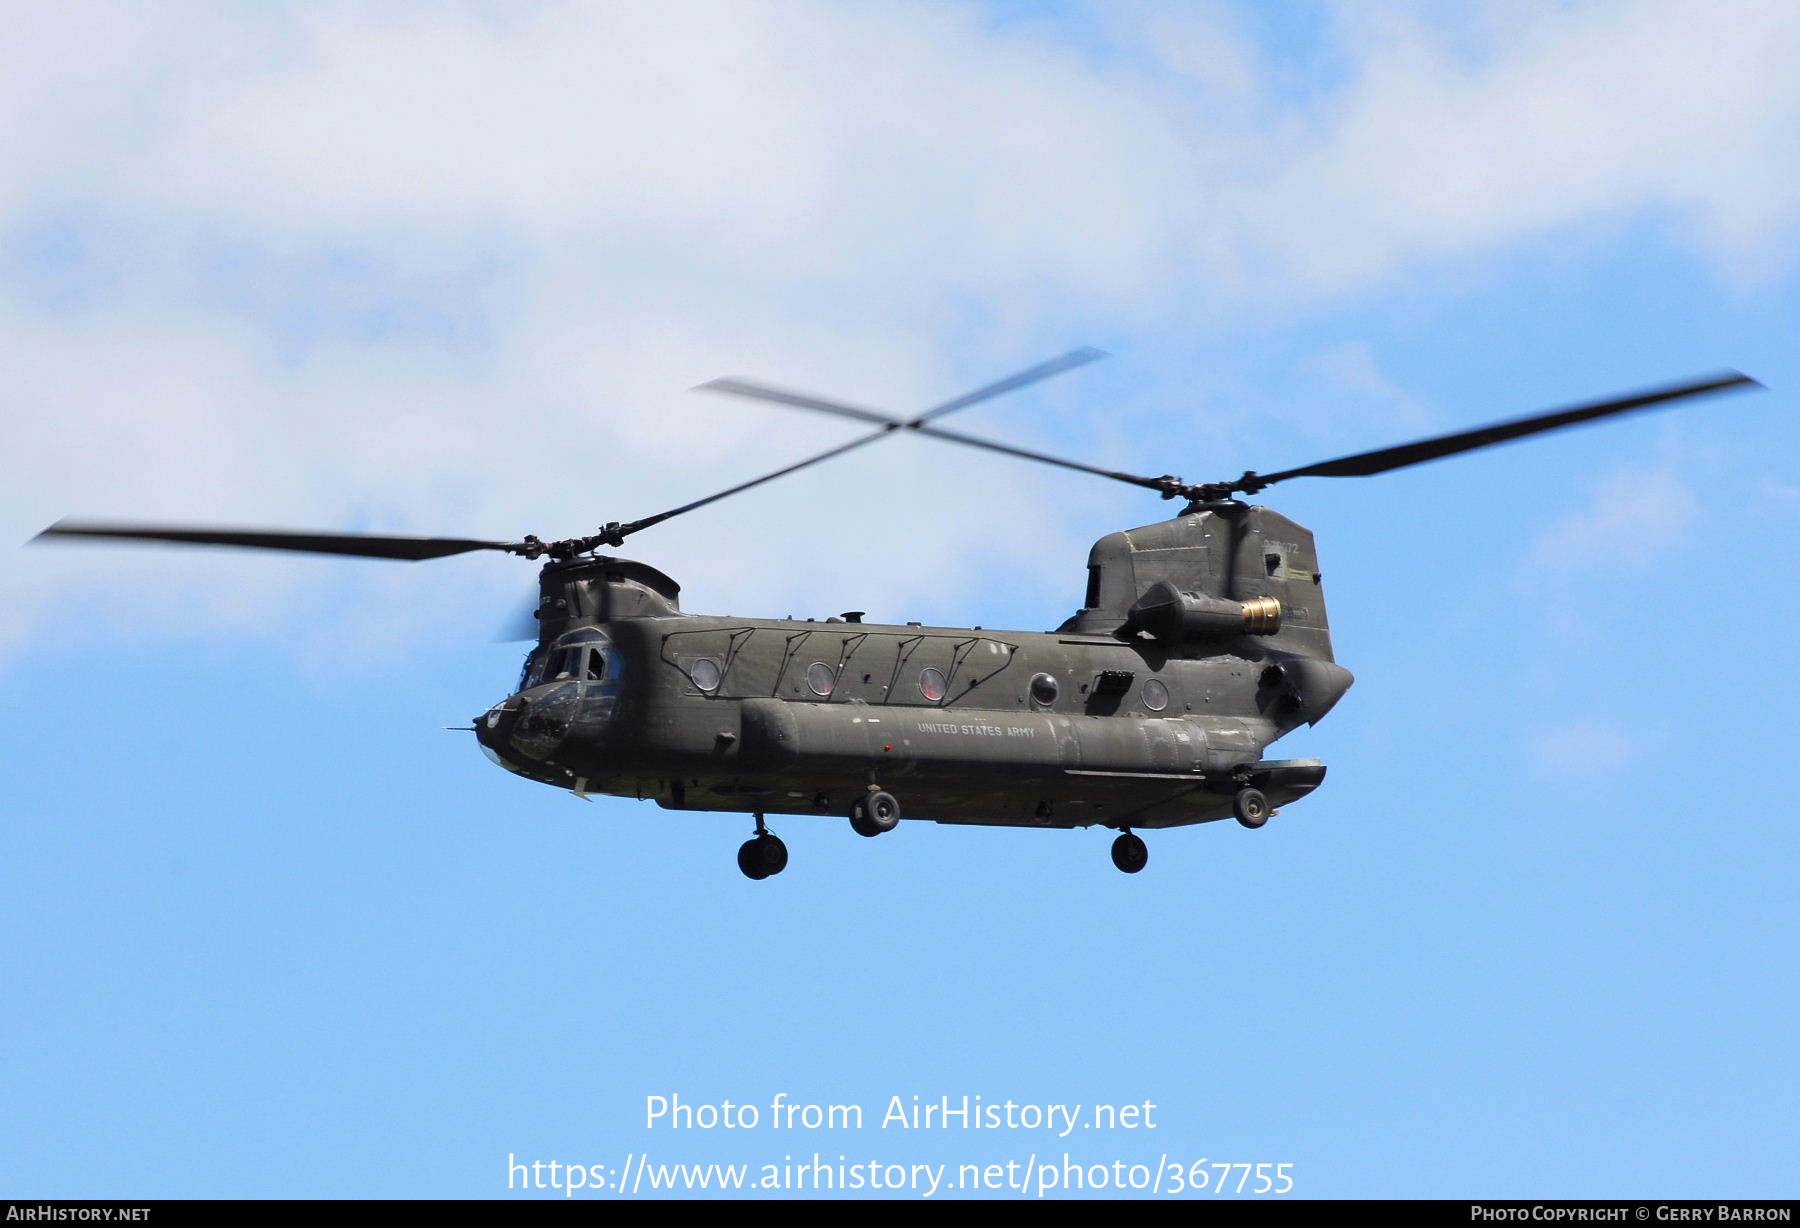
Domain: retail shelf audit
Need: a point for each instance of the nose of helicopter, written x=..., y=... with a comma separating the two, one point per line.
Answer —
x=494, y=730
x=529, y=726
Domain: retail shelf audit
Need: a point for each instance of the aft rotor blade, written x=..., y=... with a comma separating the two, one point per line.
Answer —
x=974, y=441
x=1366, y=464
x=780, y=396
x=358, y=545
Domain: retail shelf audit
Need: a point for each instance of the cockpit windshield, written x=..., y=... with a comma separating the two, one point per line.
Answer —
x=574, y=687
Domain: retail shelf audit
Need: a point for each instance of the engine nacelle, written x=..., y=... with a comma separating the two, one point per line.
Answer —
x=1175, y=617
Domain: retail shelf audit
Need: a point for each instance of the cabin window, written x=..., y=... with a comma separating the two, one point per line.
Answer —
x=1156, y=695
x=931, y=685
x=706, y=675
x=820, y=678
x=1043, y=690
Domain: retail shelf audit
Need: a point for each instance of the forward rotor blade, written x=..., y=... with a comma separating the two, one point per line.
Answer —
x=1030, y=375
x=859, y=441
x=1366, y=464
x=521, y=622
x=358, y=545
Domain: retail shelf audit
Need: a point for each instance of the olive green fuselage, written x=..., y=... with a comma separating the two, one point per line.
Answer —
x=1095, y=723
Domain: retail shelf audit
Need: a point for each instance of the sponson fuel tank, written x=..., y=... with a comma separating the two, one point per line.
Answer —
x=777, y=734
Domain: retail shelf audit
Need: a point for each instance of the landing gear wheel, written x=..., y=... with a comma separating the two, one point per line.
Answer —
x=872, y=815
x=762, y=856
x=1251, y=808
x=1129, y=853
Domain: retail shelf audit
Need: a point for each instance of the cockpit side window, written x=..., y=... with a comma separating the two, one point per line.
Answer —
x=563, y=665
x=583, y=662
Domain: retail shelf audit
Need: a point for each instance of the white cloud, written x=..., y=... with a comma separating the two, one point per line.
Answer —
x=1573, y=114
x=451, y=269
x=1634, y=519
x=1347, y=377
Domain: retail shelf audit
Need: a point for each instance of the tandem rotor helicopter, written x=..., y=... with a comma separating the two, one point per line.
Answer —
x=1202, y=640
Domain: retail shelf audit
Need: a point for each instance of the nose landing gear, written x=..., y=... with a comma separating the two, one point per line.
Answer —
x=763, y=855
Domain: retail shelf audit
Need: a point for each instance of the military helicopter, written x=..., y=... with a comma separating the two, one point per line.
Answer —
x=1201, y=641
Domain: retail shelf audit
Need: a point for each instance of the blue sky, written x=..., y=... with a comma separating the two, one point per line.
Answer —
x=273, y=932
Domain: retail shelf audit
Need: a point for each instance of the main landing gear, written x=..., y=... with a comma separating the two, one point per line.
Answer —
x=763, y=855
x=1251, y=808
x=1130, y=853
x=874, y=813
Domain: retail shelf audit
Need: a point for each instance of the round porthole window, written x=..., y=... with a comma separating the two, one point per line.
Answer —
x=1156, y=695
x=1043, y=689
x=931, y=685
x=705, y=674
x=820, y=677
